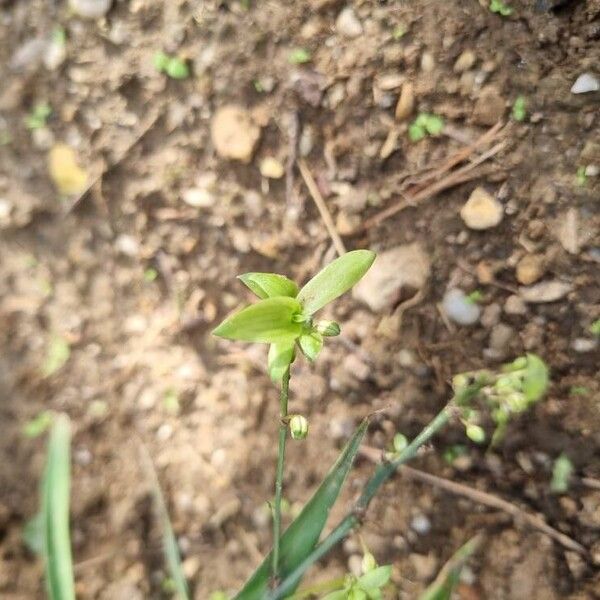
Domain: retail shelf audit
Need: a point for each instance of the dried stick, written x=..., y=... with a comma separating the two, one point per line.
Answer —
x=459, y=489
x=323, y=210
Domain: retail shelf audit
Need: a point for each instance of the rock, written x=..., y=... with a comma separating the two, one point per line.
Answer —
x=127, y=245
x=347, y=23
x=514, y=305
x=355, y=565
x=489, y=108
x=459, y=308
x=198, y=197
x=28, y=55
x=390, y=145
x=491, y=315
x=392, y=272
x=465, y=61
x=546, y=291
x=583, y=345
x=530, y=269
x=91, y=9
x=271, y=168
x=68, y=177
x=567, y=231
x=406, y=101
x=234, y=133
x=424, y=565
x=55, y=54
x=421, y=524
x=482, y=210
x=500, y=339
x=585, y=83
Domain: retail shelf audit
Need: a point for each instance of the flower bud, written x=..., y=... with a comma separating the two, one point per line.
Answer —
x=298, y=427
x=400, y=442
x=475, y=433
x=328, y=328
x=459, y=382
x=368, y=563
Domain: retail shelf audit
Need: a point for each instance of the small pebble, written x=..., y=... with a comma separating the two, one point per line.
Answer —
x=514, y=305
x=90, y=9
x=406, y=101
x=127, y=245
x=459, y=309
x=355, y=565
x=198, y=197
x=427, y=62
x=491, y=315
x=347, y=23
x=421, y=524
x=530, y=269
x=585, y=83
x=583, y=345
x=465, y=61
x=482, y=210
x=546, y=291
x=271, y=168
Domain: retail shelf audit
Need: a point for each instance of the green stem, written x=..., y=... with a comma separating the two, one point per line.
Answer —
x=351, y=520
x=283, y=411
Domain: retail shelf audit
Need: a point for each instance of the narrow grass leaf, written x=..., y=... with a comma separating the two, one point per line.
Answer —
x=448, y=577
x=267, y=321
x=335, y=279
x=170, y=547
x=55, y=511
x=302, y=535
x=269, y=285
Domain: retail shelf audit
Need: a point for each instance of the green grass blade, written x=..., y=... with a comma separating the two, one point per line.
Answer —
x=335, y=279
x=448, y=577
x=302, y=535
x=170, y=548
x=55, y=510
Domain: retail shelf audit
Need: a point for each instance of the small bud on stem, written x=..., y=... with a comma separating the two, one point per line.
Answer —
x=298, y=427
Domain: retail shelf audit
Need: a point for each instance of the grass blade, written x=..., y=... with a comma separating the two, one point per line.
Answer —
x=448, y=577
x=302, y=535
x=171, y=550
x=55, y=511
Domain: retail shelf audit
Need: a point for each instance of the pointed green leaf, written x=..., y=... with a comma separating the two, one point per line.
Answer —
x=55, y=511
x=266, y=321
x=337, y=595
x=311, y=344
x=281, y=356
x=376, y=578
x=302, y=535
x=269, y=285
x=536, y=378
x=335, y=279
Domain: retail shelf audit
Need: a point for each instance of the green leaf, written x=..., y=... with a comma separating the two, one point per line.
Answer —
x=58, y=354
x=536, y=378
x=55, y=511
x=177, y=68
x=335, y=279
x=311, y=344
x=561, y=474
x=33, y=534
x=519, y=109
x=302, y=535
x=434, y=124
x=416, y=132
x=38, y=425
x=281, y=356
x=269, y=285
x=337, y=595
x=299, y=56
x=161, y=60
x=267, y=321
x=376, y=578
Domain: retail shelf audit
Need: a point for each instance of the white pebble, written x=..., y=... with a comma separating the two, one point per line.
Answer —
x=421, y=524
x=91, y=9
x=585, y=83
x=583, y=345
x=459, y=309
x=347, y=23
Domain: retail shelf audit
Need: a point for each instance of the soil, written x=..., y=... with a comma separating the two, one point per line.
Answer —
x=134, y=278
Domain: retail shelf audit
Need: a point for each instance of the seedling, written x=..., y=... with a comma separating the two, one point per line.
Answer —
x=519, y=109
x=581, y=177
x=39, y=115
x=150, y=274
x=57, y=355
x=299, y=56
x=475, y=297
x=499, y=7
x=425, y=124
x=399, y=31
x=561, y=474
x=38, y=425
x=595, y=328
x=578, y=390
x=174, y=66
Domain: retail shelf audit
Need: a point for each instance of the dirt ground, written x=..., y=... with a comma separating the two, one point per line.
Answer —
x=134, y=273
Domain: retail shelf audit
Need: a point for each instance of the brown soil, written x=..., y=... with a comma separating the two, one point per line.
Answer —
x=80, y=274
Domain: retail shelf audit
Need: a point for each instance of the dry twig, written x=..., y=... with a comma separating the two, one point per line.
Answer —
x=460, y=489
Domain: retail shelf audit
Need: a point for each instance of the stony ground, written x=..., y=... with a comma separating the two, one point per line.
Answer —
x=127, y=212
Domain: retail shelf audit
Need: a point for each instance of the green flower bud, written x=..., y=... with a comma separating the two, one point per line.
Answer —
x=368, y=562
x=400, y=442
x=298, y=427
x=328, y=328
x=475, y=433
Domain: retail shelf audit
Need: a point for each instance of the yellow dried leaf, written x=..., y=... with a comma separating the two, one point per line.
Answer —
x=68, y=177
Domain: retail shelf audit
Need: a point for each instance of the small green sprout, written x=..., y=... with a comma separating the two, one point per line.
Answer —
x=283, y=317
x=475, y=297
x=578, y=390
x=399, y=31
x=299, y=56
x=171, y=402
x=425, y=124
x=475, y=433
x=59, y=36
x=218, y=595
x=298, y=427
x=500, y=8
x=174, y=66
x=57, y=355
x=38, y=117
x=595, y=328
x=367, y=586
x=561, y=474
x=451, y=453
x=150, y=274
x=519, y=109
x=38, y=425
x=581, y=177
x=258, y=86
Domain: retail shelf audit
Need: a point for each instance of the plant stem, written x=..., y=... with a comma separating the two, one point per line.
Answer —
x=283, y=411
x=352, y=519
